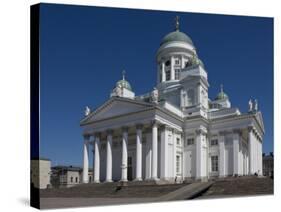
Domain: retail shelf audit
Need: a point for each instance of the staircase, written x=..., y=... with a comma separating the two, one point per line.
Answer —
x=249, y=185
x=113, y=190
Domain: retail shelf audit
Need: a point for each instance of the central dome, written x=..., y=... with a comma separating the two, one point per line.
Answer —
x=176, y=36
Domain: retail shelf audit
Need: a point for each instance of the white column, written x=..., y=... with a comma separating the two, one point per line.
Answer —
x=260, y=154
x=154, y=149
x=198, y=93
x=97, y=159
x=182, y=61
x=250, y=150
x=86, y=160
x=172, y=68
x=199, y=151
x=163, y=72
x=109, y=156
x=139, y=152
x=221, y=155
x=164, y=153
x=236, y=139
x=148, y=155
x=124, y=166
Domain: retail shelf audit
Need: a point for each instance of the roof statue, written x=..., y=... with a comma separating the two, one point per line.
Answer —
x=87, y=111
x=118, y=90
x=256, y=105
x=250, y=105
x=155, y=95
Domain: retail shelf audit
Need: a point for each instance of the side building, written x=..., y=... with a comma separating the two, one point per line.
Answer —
x=68, y=176
x=268, y=164
x=40, y=173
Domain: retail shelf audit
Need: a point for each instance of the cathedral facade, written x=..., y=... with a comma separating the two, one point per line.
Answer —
x=175, y=132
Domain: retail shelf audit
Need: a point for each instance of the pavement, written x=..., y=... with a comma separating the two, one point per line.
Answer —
x=51, y=203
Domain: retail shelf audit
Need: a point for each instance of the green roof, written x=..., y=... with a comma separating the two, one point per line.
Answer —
x=124, y=84
x=221, y=95
x=176, y=36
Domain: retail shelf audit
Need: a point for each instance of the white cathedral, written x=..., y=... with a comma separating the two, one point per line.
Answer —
x=176, y=132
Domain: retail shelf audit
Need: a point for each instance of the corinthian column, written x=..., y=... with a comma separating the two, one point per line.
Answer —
x=236, y=140
x=250, y=150
x=139, y=153
x=154, y=149
x=222, y=154
x=124, y=166
x=86, y=160
x=109, y=156
x=97, y=159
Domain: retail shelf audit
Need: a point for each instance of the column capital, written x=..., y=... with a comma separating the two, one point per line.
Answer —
x=86, y=136
x=163, y=127
x=125, y=128
x=139, y=126
x=237, y=131
x=155, y=122
x=250, y=128
x=97, y=134
x=222, y=133
x=109, y=131
x=200, y=131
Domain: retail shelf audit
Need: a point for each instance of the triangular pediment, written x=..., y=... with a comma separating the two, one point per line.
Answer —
x=116, y=106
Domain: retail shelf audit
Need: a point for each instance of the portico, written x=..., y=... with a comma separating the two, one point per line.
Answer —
x=142, y=143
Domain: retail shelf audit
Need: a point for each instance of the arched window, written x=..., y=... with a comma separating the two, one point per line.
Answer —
x=71, y=179
x=168, y=75
x=190, y=97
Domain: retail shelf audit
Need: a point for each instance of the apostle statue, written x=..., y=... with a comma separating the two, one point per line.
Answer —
x=87, y=111
x=155, y=95
x=118, y=91
x=250, y=105
x=256, y=105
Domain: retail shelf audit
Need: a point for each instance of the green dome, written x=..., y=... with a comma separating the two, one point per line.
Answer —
x=221, y=95
x=124, y=84
x=176, y=36
x=201, y=63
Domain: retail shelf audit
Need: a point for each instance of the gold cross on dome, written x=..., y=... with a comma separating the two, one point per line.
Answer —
x=177, y=20
x=123, y=74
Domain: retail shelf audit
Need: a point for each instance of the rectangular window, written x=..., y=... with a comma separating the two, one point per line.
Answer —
x=215, y=163
x=168, y=75
x=178, y=141
x=214, y=142
x=190, y=141
x=177, y=61
x=177, y=74
x=178, y=164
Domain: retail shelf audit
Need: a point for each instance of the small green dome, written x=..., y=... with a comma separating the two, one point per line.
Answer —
x=176, y=36
x=124, y=84
x=221, y=95
x=201, y=63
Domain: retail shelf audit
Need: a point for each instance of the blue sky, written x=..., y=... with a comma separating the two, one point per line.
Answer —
x=83, y=51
